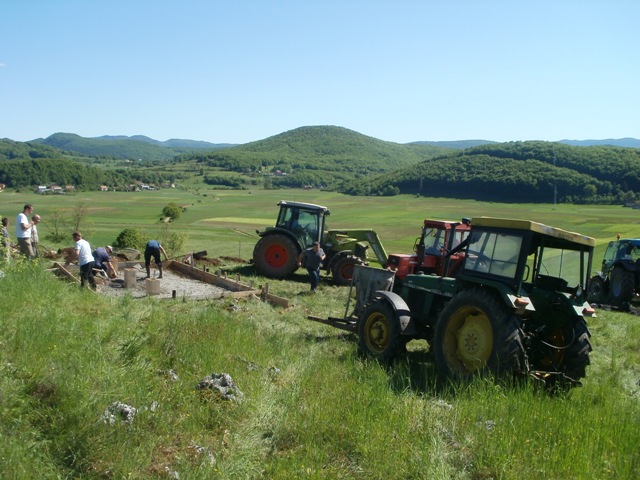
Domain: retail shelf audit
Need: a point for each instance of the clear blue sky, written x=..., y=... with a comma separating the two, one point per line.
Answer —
x=237, y=71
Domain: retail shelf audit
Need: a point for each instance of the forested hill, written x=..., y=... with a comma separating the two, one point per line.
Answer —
x=317, y=155
x=26, y=164
x=134, y=148
x=519, y=172
x=339, y=159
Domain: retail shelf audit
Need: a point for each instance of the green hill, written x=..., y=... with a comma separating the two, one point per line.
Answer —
x=519, y=172
x=317, y=155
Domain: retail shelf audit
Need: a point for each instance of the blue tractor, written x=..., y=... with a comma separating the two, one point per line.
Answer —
x=619, y=280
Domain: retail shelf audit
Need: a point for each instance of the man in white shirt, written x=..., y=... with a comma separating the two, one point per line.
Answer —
x=23, y=231
x=85, y=260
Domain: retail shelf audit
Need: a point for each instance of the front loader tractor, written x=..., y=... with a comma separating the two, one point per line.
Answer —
x=517, y=306
x=619, y=279
x=297, y=227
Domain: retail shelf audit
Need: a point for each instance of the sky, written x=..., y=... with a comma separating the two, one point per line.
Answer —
x=238, y=71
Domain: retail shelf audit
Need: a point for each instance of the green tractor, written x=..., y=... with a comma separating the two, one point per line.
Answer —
x=517, y=306
x=298, y=226
x=619, y=279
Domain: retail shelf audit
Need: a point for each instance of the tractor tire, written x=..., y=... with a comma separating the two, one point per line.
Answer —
x=623, y=285
x=597, y=290
x=564, y=350
x=275, y=256
x=379, y=331
x=342, y=270
x=476, y=333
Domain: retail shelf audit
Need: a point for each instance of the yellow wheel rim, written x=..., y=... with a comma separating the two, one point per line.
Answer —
x=377, y=332
x=468, y=340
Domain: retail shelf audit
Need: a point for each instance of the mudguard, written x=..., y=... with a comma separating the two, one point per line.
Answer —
x=400, y=307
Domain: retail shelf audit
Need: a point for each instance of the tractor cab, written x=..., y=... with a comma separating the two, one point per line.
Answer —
x=529, y=259
x=305, y=221
x=626, y=251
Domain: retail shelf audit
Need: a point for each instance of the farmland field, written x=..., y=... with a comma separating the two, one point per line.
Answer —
x=224, y=221
x=311, y=406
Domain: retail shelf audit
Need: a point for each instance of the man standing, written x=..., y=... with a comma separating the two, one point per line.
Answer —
x=23, y=231
x=102, y=257
x=311, y=258
x=153, y=249
x=34, y=235
x=85, y=260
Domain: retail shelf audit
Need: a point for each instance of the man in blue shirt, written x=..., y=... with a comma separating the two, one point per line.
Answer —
x=102, y=257
x=153, y=249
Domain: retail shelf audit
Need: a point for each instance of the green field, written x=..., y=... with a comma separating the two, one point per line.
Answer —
x=311, y=406
x=224, y=222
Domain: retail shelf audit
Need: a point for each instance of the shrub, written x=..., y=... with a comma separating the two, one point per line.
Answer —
x=172, y=210
x=130, y=238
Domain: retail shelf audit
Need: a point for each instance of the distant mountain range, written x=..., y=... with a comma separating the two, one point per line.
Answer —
x=462, y=144
x=620, y=142
x=123, y=147
x=140, y=146
x=173, y=142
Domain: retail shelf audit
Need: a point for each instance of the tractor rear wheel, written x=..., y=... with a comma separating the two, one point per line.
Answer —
x=597, y=290
x=563, y=350
x=379, y=331
x=623, y=285
x=475, y=333
x=275, y=256
x=342, y=270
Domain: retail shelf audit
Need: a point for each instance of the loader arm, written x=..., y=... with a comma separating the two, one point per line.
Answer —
x=369, y=236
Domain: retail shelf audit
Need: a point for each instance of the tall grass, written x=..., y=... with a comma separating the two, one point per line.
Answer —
x=312, y=407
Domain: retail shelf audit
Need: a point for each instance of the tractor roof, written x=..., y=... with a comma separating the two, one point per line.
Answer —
x=632, y=241
x=553, y=232
x=308, y=206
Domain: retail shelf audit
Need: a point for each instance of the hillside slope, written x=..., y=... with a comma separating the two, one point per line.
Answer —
x=317, y=155
x=519, y=172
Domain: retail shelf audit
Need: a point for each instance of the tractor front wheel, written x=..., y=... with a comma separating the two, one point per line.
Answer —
x=379, y=331
x=623, y=285
x=342, y=270
x=476, y=332
x=275, y=256
x=597, y=290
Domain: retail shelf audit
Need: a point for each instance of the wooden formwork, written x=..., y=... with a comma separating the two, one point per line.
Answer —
x=234, y=287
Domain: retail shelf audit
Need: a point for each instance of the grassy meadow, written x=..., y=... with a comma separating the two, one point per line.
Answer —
x=310, y=407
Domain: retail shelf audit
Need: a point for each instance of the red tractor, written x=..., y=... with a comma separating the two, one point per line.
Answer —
x=435, y=250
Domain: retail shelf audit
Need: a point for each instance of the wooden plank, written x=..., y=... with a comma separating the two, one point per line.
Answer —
x=207, y=277
x=65, y=272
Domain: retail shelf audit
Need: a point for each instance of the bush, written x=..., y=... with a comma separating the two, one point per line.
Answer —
x=130, y=238
x=172, y=210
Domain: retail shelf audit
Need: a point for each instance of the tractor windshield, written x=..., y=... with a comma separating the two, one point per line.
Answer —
x=435, y=239
x=494, y=253
x=304, y=223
